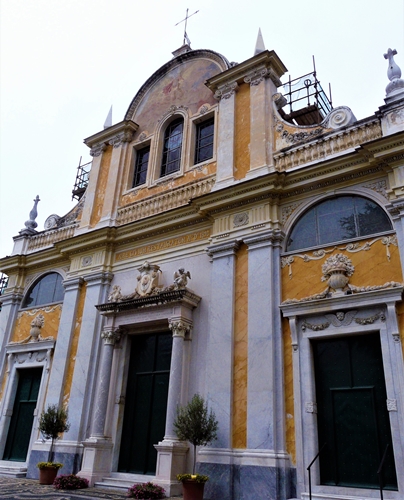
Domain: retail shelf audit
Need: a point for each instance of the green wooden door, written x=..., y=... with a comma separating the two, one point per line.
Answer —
x=22, y=418
x=353, y=419
x=145, y=402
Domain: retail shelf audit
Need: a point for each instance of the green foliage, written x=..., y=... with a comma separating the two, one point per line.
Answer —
x=149, y=491
x=53, y=422
x=198, y=478
x=195, y=424
x=47, y=465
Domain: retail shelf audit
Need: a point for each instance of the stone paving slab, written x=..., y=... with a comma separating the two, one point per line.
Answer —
x=30, y=489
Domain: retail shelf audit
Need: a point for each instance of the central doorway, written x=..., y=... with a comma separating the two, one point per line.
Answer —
x=353, y=420
x=145, y=402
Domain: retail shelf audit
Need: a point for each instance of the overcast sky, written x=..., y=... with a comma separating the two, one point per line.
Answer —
x=65, y=62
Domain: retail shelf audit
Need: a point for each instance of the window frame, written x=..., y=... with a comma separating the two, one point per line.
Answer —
x=138, y=151
x=177, y=119
x=312, y=207
x=207, y=121
x=37, y=283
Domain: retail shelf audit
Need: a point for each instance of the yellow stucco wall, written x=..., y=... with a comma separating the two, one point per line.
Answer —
x=242, y=132
x=101, y=186
x=289, y=396
x=74, y=345
x=240, y=350
x=51, y=315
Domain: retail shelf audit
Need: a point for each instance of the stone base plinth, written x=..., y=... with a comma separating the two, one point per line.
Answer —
x=171, y=456
x=97, y=459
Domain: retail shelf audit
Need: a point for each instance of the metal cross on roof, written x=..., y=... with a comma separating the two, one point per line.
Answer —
x=186, y=39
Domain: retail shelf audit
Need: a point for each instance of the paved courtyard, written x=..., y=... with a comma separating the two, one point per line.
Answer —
x=30, y=489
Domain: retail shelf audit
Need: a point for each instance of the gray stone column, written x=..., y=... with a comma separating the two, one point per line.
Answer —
x=219, y=369
x=110, y=337
x=171, y=452
x=265, y=393
x=265, y=365
x=396, y=209
x=88, y=349
x=180, y=330
x=226, y=134
x=11, y=303
x=61, y=356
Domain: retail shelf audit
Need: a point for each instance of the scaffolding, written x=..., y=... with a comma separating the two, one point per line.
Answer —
x=306, y=101
x=82, y=177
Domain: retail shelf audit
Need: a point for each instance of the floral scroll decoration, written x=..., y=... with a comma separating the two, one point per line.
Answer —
x=337, y=270
x=351, y=247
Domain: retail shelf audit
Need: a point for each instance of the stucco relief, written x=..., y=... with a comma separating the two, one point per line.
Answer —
x=337, y=271
x=147, y=283
x=350, y=247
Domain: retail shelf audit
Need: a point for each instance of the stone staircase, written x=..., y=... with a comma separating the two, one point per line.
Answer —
x=122, y=481
x=12, y=469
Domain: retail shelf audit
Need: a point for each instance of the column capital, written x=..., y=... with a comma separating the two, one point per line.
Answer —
x=226, y=91
x=111, y=336
x=99, y=278
x=273, y=238
x=223, y=249
x=180, y=327
x=73, y=283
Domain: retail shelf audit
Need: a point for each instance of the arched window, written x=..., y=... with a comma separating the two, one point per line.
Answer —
x=337, y=219
x=46, y=290
x=172, y=146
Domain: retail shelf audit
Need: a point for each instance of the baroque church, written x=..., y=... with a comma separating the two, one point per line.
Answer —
x=234, y=236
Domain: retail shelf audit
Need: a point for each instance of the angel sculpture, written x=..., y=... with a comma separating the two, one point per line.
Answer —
x=115, y=295
x=181, y=278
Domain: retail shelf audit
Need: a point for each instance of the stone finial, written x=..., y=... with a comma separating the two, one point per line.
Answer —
x=30, y=224
x=259, y=45
x=108, y=120
x=396, y=84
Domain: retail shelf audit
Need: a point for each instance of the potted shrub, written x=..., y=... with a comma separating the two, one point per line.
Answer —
x=147, y=491
x=52, y=423
x=195, y=424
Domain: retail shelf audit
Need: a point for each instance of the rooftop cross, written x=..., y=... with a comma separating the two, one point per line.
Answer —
x=186, y=39
x=393, y=71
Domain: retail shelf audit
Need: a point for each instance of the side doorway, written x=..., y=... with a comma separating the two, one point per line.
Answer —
x=145, y=402
x=20, y=429
x=353, y=420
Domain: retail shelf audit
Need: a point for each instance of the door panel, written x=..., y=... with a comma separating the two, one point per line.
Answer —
x=20, y=429
x=145, y=402
x=352, y=415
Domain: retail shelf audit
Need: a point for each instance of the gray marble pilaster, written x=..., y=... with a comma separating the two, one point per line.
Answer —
x=219, y=364
x=87, y=356
x=180, y=329
x=265, y=401
x=396, y=209
x=110, y=337
x=11, y=303
x=61, y=356
x=226, y=133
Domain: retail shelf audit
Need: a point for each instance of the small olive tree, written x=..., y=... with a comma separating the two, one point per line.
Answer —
x=53, y=422
x=195, y=424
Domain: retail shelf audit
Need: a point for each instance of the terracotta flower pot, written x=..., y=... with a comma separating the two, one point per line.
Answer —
x=47, y=475
x=192, y=490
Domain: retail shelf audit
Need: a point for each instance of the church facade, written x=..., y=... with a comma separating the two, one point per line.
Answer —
x=230, y=242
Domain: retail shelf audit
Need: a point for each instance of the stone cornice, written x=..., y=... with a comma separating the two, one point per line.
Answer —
x=357, y=300
x=265, y=62
x=184, y=296
x=115, y=135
